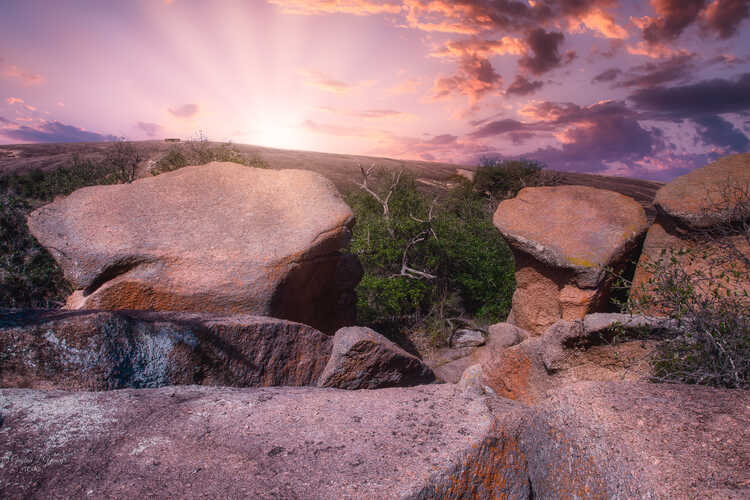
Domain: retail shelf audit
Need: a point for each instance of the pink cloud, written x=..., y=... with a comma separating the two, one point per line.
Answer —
x=324, y=82
x=28, y=78
x=475, y=78
x=184, y=111
x=355, y=7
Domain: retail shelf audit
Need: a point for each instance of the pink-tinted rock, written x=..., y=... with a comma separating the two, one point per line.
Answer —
x=291, y=443
x=221, y=238
x=90, y=350
x=363, y=359
x=716, y=193
x=639, y=440
x=707, y=255
x=589, y=440
x=572, y=351
x=563, y=237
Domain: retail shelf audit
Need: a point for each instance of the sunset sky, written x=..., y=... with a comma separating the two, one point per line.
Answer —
x=648, y=89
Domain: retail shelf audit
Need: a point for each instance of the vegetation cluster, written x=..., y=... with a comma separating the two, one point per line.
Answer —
x=435, y=263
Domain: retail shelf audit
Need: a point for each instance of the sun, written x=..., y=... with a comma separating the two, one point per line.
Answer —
x=277, y=135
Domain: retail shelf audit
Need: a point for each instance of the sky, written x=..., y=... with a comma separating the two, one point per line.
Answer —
x=648, y=89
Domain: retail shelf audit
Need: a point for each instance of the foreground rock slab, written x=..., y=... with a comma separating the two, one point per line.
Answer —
x=98, y=350
x=562, y=237
x=639, y=440
x=361, y=358
x=590, y=440
x=193, y=442
x=221, y=238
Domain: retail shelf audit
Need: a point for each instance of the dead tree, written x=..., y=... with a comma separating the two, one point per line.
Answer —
x=384, y=201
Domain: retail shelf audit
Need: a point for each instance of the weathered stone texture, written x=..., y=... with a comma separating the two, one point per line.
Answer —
x=363, y=359
x=563, y=238
x=90, y=350
x=221, y=238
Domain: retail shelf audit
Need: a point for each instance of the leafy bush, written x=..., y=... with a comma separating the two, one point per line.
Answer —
x=427, y=261
x=45, y=185
x=710, y=304
x=123, y=159
x=502, y=179
x=29, y=276
x=200, y=152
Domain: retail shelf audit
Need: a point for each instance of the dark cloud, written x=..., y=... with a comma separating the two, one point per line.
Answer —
x=719, y=17
x=727, y=59
x=544, y=48
x=652, y=74
x=709, y=97
x=673, y=17
x=523, y=86
x=54, y=132
x=497, y=128
x=607, y=76
x=716, y=131
x=724, y=16
x=4, y=120
x=150, y=129
x=443, y=139
x=184, y=111
x=590, y=135
x=598, y=133
x=475, y=78
x=518, y=138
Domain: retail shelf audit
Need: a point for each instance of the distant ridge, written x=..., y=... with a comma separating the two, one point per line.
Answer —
x=342, y=169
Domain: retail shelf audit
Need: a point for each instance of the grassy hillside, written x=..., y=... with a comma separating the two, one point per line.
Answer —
x=342, y=169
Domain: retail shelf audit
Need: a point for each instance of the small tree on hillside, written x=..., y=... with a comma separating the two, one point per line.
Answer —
x=124, y=158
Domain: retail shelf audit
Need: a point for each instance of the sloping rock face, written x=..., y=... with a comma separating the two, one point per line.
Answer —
x=639, y=440
x=590, y=440
x=572, y=351
x=192, y=442
x=709, y=195
x=562, y=238
x=221, y=238
x=693, y=225
x=89, y=350
x=363, y=359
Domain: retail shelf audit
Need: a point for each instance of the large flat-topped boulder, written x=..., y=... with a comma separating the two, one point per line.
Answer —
x=571, y=227
x=714, y=194
x=562, y=238
x=102, y=350
x=221, y=238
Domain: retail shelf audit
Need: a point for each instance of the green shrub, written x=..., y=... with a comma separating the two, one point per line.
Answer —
x=710, y=304
x=29, y=276
x=173, y=160
x=122, y=158
x=201, y=152
x=427, y=261
x=505, y=178
x=478, y=262
x=45, y=185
